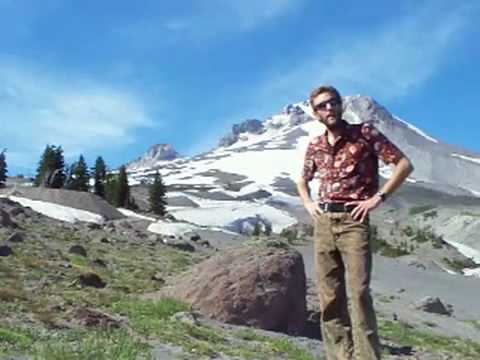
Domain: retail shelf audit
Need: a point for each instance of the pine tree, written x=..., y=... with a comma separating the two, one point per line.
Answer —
x=100, y=175
x=3, y=168
x=111, y=189
x=69, y=182
x=58, y=176
x=46, y=163
x=79, y=177
x=157, y=199
x=51, y=168
x=123, y=189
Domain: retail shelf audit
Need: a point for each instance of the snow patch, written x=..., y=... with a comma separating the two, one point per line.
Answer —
x=224, y=213
x=130, y=213
x=466, y=250
x=173, y=229
x=472, y=272
x=58, y=212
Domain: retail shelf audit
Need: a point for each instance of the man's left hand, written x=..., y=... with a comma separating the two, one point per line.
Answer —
x=363, y=207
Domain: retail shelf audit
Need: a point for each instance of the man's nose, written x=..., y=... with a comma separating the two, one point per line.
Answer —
x=328, y=106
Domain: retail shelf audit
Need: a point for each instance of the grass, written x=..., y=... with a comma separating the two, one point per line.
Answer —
x=98, y=345
x=153, y=319
x=14, y=339
x=382, y=247
x=73, y=344
x=474, y=323
x=404, y=334
x=459, y=265
x=40, y=291
x=469, y=213
x=290, y=235
x=385, y=299
x=420, y=209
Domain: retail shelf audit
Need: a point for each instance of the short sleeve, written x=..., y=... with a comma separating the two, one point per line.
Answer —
x=381, y=145
x=309, y=166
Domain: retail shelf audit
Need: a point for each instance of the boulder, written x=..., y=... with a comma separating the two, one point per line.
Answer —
x=261, y=284
x=432, y=305
x=179, y=243
x=16, y=237
x=195, y=237
x=78, y=250
x=5, y=250
x=89, y=317
x=5, y=220
x=92, y=280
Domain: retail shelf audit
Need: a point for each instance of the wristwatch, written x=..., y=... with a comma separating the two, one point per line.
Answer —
x=382, y=195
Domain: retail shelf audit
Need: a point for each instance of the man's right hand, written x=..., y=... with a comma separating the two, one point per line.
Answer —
x=313, y=209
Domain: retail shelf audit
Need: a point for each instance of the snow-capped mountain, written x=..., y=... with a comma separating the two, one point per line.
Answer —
x=250, y=177
x=156, y=153
x=270, y=152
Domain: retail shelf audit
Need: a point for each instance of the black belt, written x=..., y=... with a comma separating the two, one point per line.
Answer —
x=335, y=207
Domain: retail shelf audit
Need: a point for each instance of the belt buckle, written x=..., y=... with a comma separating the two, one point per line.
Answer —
x=325, y=206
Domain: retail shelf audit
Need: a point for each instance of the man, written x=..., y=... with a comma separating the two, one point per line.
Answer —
x=345, y=160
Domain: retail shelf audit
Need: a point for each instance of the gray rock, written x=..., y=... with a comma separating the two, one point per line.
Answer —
x=186, y=317
x=195, y=237
x=5, y=250
x=5, y=220
x=94, y=226
x=158, y=277
x=153, y=238
x=94, y=318
x=99, y=262
x=16, y=237
x=179, y=244
x=432, y=305
x=92, y=280
x=78, y=250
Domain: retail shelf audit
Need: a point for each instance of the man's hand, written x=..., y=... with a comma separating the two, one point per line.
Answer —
x=363, y=207
x=313, y=209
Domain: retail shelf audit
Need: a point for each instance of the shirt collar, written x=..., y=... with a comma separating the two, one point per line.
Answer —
x=346, y=132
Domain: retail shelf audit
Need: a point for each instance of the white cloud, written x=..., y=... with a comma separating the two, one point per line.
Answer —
x=208, y=20
x=37, y=108
x=248, y=14
x=391, y=60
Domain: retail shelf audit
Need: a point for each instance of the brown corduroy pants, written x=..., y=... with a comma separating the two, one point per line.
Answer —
x=343, y=263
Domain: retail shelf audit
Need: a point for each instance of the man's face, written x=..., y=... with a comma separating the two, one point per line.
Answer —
x=328, y=109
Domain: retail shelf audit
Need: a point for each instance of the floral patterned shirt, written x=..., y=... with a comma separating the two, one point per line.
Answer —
x=348, y=170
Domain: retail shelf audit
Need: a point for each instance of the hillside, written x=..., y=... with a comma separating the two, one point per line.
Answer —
x=72, y=291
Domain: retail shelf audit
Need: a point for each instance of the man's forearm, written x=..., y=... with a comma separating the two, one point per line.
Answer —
x=402, y=170
x=304, y=191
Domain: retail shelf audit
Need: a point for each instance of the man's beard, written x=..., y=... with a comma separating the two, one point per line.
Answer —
x=332, y=125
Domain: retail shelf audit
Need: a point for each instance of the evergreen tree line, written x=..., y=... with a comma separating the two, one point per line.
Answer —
x=113, y=187
x=3, y=168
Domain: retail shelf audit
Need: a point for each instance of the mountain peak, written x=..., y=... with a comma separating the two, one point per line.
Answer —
x=156, y=153
x=252, y=126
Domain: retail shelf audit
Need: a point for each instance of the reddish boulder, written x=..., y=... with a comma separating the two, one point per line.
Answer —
x=260, y=284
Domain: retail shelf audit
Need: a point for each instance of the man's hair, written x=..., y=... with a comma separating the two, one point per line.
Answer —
x=324, y=89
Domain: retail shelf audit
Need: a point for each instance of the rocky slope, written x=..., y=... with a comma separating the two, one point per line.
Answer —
x=74, y=291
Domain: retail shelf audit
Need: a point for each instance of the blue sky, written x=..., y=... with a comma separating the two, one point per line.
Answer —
x=112, y=78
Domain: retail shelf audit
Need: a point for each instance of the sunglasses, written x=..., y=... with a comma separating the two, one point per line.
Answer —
x=323, y=105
